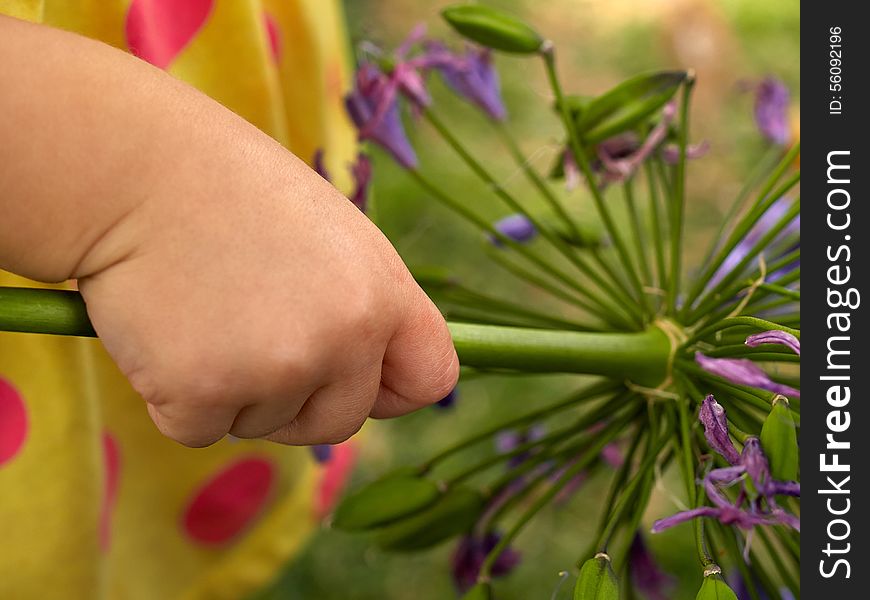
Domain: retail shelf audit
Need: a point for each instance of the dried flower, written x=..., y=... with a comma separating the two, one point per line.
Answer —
x=775, y=337
x=743, y=371
x=712, y=417
x=471, y=75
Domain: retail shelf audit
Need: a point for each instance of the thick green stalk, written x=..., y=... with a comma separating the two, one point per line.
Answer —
x=640, y=357
x=32, y=310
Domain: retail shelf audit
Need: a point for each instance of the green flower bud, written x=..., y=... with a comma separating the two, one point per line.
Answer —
x=627, y=105
x=597, y=580
x=386, y=500
x=493, y=29
x=454, y=512
x=714, y=587
x=481, y=591
x=779, y=441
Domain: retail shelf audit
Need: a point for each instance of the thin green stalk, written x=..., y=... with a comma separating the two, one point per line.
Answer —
x=742, y=321
x=605, y=313
x=679, y=198
x=581, y=160
x=588, y=457
x=590, y=392
x=32, y=310
x=655, y=215
x=556, y=205
x=780, y=290
x=639, y=237
x=515, y=205
x=763, y=201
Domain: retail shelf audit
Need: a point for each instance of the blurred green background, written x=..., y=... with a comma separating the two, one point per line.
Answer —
x=599, y=42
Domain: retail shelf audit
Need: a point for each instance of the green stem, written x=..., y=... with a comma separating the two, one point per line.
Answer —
x=544, y=231
x=581, y=160
x=655, y=214
x=637, y=230
x=641, y=357
x=679, y=197
x=32, y=310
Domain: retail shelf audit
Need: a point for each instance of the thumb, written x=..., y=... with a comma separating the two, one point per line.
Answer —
x=420, y=366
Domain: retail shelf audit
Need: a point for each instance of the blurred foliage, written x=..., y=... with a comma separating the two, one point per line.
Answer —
x=600, y=42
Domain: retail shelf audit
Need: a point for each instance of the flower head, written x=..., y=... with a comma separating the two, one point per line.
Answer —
x=743, y=371
x=471, y=75
x=515, y=227
x=771, y=110
x=470, y=555
x=712, y=417
x=775, y=337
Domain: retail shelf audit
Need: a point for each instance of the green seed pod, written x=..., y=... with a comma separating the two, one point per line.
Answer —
x=597, y=580
x=386, y=500
x=455, y=512
x=627, y=105
x=779, y=441
x=493, y=29
x=481, y=591
x=715, y=588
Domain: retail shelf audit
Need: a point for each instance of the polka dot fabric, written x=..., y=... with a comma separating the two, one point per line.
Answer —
x=95, y=501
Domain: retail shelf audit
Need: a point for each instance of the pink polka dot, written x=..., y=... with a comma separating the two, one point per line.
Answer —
x=157, y=30
x=13, y=421
x=335, y=475
x=112, y=462
x=274, y=34
x=229, y=502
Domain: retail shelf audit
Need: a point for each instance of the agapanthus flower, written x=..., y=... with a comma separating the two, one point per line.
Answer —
x=360, y=170
x=448, y=401
x=712, y=417
x=775, y=336
x=646, y=574
x=321, y=452
x=767, y=220
x=756, y=500
x=470, y=555
x=373, y=107
x=743, y=371
x=471, y=75
x=771, y=110
x=515, y=227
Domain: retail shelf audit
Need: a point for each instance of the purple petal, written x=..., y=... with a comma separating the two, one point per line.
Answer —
x=671, y=152
x=686, y=515
x=786, y=518
x=717, y=477
x=771, y=110
x=516, y=227
x=322, y=452
x=784, y=488
x=775, y=337
x=447, y=401
x=712, y=417
x=646, y=574
x=755, y=462
x=471, y=76
x=375, y=113
x=470, y=555
x=361, y=171
x=743, y=371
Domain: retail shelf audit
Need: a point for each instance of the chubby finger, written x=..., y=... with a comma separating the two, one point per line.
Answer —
x=334, y=412
x=261, y=419
x=191, y=425
x=420, y=364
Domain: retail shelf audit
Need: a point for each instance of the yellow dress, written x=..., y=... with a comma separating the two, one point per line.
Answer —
x=94, y=502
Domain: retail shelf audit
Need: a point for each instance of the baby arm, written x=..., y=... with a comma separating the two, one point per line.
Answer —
x=236, y=289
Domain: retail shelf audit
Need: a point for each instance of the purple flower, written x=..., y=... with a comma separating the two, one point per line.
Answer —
x=617, y=166
x=509, y=440
x=361, y=171
x=515, y=227
x=775, y=337
x=471, y=75
x=447, y=401
x=767, y=220
x=771, y=110
x=712, y=417
x=743, y=371
x=755, y=504
x=373, y=107
x=321, y=452
x=470, y=555
x=645, y=572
